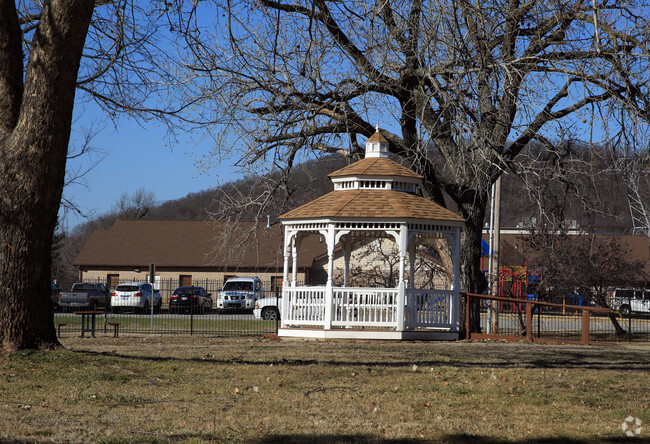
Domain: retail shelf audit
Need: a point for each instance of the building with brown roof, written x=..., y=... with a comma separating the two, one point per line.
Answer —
x=636, y=249
x=188, y=252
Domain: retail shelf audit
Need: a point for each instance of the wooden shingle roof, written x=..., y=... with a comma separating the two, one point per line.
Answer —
x=384, y=204
x=374, y=167
x=377, y=137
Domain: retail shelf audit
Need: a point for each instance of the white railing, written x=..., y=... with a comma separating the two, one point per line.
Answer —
x=429, y=308
x=370, y=307
x=367, y=307
x=305, y=305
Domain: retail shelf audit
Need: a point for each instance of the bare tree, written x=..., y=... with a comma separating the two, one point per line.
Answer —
x=110, y=52
x=459, y=87
x=34, y=132
x=379, y=267
x=135, y=206
x=588, y=265
x=76, y=175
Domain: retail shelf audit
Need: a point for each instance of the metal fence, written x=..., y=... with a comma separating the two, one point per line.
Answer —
x=192, y=320
x=531, y=320
x=500, y=316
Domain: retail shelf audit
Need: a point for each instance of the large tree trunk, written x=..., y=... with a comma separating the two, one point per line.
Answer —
x=34, y=136
x=472, y=278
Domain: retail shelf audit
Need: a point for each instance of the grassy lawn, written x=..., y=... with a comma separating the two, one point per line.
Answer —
x=181, y=389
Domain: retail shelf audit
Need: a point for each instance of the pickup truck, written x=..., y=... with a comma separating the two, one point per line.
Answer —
x=268, y=309
x=84, y=296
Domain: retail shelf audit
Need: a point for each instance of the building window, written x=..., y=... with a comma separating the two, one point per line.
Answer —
x=276, y=285
x=112, y=281
x=185, y=280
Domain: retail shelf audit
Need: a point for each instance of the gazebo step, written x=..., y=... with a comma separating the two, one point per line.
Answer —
x=349, y=333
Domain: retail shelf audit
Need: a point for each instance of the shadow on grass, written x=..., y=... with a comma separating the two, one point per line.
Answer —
x=551, y=359
x=453, y=439
x=349, y=439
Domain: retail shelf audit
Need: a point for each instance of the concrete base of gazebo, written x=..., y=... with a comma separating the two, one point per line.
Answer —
x=388, y=335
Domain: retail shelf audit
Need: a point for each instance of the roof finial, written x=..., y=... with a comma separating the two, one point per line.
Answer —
x=377, y=127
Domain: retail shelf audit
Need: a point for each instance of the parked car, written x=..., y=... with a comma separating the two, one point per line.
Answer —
x=135, y=295
x=240, y=294
x=627, y=300
x=194, y=299
x=268, y=309
x=84, y=296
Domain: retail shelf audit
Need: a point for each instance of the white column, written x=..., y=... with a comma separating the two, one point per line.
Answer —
x=401, y=288
x=347, y=251
x=329, y=288
x=455, y=280
x=330, y=239
x=287, y=253
x=294, y=263
x=285, y=280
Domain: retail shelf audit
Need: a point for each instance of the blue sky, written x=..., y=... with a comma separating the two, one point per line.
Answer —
x=134, y=157
x=134, y=154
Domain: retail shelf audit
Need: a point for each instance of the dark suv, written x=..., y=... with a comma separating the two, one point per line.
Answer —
x=194, y=299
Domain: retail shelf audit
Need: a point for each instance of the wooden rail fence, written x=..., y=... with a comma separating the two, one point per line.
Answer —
x=530, y=304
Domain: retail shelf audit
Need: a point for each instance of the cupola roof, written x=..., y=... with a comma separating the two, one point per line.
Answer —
x=375, y=167
x=377, y=145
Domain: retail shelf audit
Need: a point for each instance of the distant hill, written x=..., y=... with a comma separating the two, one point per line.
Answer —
x=602, y=203
x=308, y=181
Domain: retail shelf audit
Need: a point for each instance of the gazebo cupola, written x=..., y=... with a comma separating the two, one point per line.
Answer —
x=377, y=145
x=376, y=171
x=372, y=198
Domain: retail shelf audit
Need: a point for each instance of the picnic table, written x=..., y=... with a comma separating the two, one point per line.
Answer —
x=88, y=321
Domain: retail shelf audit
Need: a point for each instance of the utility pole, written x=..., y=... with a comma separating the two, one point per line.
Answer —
x=495, y=241
x=152, y=281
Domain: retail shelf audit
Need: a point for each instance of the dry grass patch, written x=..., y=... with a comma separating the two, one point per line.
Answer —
x=196, y=390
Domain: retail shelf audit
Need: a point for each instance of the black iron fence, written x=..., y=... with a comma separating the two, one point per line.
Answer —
x=511, y=317
x=196, y=318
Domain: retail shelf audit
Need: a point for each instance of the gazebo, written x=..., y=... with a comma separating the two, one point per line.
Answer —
x=372, y=198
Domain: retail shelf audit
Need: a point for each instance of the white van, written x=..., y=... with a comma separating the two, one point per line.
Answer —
x=627, y=300
x=240, y=294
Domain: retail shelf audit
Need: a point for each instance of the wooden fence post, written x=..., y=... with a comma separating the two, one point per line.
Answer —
x=467, y=333
x=585, y=326
x=529, y=321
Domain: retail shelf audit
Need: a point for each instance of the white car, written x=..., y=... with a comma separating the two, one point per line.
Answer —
x=135, y=295
x=268, y=309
